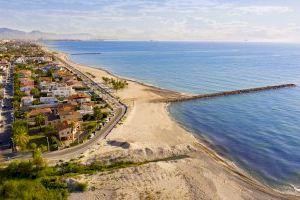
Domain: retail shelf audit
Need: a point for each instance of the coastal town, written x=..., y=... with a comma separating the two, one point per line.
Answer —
x=48, y=105
x=70, y=131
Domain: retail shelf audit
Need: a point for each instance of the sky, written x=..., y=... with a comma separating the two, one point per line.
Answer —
x=212, y=20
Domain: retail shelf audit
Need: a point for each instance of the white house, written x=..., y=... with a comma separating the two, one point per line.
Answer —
x=21, y=60
x=62, y=91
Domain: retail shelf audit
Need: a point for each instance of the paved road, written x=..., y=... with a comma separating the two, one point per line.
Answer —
x=119, y=111
x=6, y=113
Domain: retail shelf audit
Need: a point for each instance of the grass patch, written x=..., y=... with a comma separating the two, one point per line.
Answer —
x=35, y=180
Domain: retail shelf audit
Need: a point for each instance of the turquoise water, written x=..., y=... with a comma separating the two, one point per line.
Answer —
x=260, y=132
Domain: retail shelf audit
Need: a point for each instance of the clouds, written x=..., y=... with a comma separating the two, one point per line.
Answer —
x=262, y=10
x=157, y=19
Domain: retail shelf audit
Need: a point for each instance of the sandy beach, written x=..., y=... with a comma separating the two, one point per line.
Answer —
x=152, y=134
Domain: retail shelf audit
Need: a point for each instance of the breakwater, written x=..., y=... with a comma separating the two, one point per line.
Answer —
x=225, y=93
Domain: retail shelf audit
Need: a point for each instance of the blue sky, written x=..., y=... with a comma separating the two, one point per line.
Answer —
x=226, y=20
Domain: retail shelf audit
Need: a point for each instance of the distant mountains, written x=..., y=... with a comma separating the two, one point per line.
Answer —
x=6, y=33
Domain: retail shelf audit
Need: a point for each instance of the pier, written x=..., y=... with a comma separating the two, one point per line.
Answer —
x=225, y=93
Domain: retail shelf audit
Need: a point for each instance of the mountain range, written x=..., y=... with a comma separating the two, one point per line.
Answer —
x=6, y=33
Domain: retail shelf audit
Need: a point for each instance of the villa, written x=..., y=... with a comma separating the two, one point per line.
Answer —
x=67, y=131
x=62, y=91
x=79, y=98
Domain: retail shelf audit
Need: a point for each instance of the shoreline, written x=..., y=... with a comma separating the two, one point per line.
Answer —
x=202, y=144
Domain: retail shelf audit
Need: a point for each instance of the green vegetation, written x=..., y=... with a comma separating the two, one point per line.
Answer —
x=34, y=179
x=35, y=92
x=115, y=83
x=17, y=93
x=31, y=180
x=98, y=115
x=39, y=120
x=20, y=134
x=92, y=75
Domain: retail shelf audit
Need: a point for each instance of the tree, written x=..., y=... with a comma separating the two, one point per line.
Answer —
x=19, y=126
x=39, y=120
x=38, y=159
x=22, y=138
x=35, y=92
x=97, y=113
x=36, y=102
x=50, y=131
x=106, y=80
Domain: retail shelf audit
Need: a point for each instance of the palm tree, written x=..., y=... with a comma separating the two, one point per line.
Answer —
x=97, y=113
x=39, y=120
x=21, y=139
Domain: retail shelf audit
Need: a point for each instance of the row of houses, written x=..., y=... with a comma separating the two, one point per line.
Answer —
x=61, y=105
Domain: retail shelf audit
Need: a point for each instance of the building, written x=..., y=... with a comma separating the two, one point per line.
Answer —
x=26, y=81
x=25, y=73
x=89, y=106
x=74, y=83
x=79, y=98
x=48, y=100
x=21, y=60
x=26, y=101
x=27, y=87
x=37, y=111
x=70, y=116
x=4, y=62
x=66, y=107
x=65, y=91
x=67, y=131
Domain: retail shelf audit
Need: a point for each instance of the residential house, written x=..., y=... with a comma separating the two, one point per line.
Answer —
x=45, y=83
x=65, y=91
x=66, y=107
x=27, y=87
x=86, y=108
x=79, y=98
x=26, y=81
x=70, y=116
x=74, y=83
x=27, y=101
x=52, y=119
x=35, y=112
x=4, y=62
x=48, y=100
x=21, y=60
x=67, y=131
x=25, y=73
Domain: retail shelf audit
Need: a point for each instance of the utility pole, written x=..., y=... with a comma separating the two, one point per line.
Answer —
x=13, y=145
x=48, y=143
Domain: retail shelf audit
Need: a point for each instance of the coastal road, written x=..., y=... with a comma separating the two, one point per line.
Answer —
x=120, y=110
x=101, y=134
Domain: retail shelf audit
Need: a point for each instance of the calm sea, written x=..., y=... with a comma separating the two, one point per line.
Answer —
x=259, y=132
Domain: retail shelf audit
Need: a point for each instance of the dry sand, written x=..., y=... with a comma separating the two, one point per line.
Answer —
x=152, y=134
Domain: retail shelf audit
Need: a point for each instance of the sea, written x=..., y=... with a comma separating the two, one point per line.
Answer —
x=259, y=132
